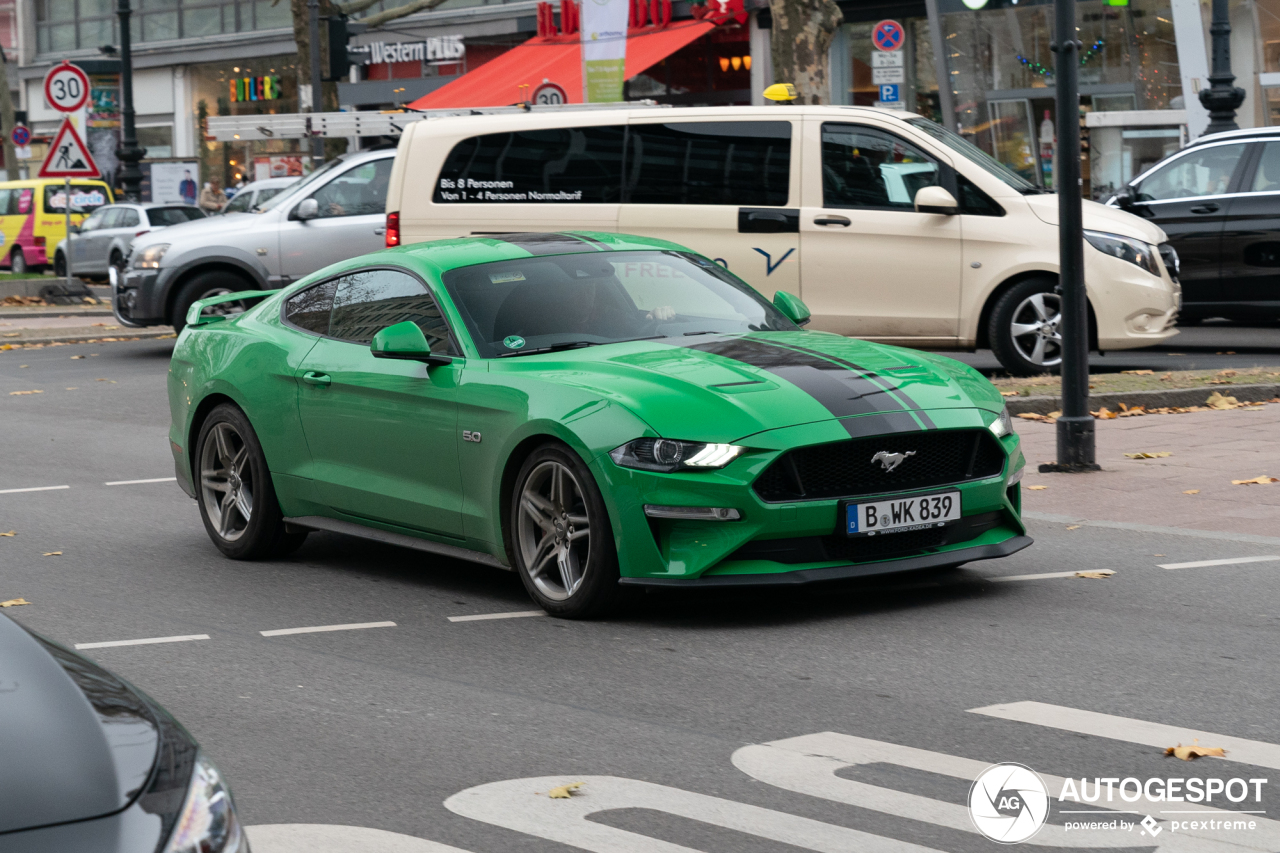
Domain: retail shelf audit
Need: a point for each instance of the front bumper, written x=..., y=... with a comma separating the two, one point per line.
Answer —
x=1132, y=307
x=136, y=299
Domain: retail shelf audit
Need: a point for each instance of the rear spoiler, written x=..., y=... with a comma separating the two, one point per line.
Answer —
x=195, y=316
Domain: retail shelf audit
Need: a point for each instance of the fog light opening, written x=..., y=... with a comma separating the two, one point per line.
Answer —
x=693, y=513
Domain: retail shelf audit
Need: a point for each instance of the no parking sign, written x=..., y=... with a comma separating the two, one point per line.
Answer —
x=888, y=35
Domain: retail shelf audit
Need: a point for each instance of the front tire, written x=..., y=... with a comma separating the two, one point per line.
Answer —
x=1025, y=328
x=561, y=541
x=204, y=286
x=234, y=490
x=60, y=265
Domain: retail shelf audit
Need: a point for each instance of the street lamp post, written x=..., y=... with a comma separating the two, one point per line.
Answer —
x=1075, y=426
x=1221, y=99
x=129, y=152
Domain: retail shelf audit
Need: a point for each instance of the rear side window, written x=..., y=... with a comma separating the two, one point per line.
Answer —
x=367, y=302
x=159, y=216
x=554, y=166
x=127, y=217
x=1199, y=172
x=240, y=204
x=309, y=310
x=729, y=162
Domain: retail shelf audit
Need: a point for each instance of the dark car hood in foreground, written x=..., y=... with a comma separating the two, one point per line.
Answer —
x=718, y=387
x=75, y=741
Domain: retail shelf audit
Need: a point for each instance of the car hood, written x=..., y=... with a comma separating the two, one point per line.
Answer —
x=77, y=742
x=1098, y=217
x=728, y=387
x=207, y=229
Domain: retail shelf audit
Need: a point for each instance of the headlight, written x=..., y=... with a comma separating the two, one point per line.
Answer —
x=149, y=258
x=668, y=455
x=1125, y=248
x=208, y=822
x=1003, y=424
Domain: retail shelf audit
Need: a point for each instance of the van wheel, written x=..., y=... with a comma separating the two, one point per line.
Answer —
x=18, y=263
x=1025, y=330
x=204, y=286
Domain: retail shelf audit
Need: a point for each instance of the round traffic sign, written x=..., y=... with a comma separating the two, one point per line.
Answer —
x=21, y=136
x=888, y=35
x=549, y=94
x=66, y=87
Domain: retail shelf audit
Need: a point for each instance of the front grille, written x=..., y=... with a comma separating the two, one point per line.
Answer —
x=859, y=549
x=845, y=469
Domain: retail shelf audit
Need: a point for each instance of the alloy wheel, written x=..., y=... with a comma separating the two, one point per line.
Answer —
x=223, y=309
x=553, y=530
x=226, y=481
x=1034, y=329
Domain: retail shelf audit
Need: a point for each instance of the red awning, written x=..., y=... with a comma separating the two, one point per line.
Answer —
x=558, y=59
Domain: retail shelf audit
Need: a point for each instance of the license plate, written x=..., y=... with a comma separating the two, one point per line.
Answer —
x=899, y=515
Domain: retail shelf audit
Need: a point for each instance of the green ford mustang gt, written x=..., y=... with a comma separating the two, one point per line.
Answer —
x=591, y=410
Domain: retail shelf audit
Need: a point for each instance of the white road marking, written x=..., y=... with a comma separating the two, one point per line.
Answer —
x=137, y=482
x=517, y=614
x=1256, y=752
x=148, y=641
x=33, y=489
x=1233, y=561
x=1151, y=528
x=327, y=838
x=809, y=764
x=1044, y=576
x=514, y=805
x=354, y=626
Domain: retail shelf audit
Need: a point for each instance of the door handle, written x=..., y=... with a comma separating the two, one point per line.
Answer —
x=380, y=230
x=313, y=378
x=832, y=220
x=1205, y=208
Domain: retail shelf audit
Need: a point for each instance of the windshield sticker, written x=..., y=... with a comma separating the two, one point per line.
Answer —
x=504, y=277
x=513, y=342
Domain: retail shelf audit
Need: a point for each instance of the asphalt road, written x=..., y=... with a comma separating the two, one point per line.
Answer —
x=376, y=728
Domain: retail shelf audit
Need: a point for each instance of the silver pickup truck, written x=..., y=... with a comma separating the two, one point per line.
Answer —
x=336, y=212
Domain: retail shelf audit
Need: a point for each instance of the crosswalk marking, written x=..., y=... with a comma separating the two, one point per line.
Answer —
x=514, y=614
x=139, y=482
x=1253, y=752
x=1231, y=561
x=317, y=629
x=1039, y=577
x=33, y=489
x=327, y=838
x=144, y=642
x=514, y=805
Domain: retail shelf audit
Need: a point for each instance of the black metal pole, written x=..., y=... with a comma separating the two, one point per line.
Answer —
x=1075, y=426
x=1221, y=99
x=129, y=152
x=317, y=87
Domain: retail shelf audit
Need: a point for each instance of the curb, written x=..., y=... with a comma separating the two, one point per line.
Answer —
x=56, y=311
x=122, y=335
x=1180, y=397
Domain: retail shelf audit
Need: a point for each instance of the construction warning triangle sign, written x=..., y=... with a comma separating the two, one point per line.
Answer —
x=68, y=156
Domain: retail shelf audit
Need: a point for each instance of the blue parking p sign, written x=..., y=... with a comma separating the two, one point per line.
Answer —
x=889, y=92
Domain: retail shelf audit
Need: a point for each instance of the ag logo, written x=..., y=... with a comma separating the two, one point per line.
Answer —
x=1008, y=803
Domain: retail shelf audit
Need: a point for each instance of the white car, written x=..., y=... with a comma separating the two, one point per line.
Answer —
x=257, y=193
x=888, y=226
x=103, y=241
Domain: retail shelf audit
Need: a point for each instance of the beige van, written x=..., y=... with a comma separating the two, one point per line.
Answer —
x=889, y=227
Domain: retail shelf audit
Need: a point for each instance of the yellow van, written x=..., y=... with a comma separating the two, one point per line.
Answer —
x=33, y=217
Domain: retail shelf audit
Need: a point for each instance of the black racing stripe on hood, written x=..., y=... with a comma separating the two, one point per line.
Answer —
x=842, y=391
x=544, y=243
x=888, y=381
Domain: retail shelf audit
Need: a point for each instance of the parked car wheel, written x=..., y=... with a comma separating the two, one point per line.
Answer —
x=204, y=286
x=234, y=489
x=60, y=265
x=560, y=536
x=118, y=264
x=18, y=263
x=1025, y=328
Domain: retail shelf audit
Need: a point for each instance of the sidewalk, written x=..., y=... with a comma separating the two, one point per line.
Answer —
x=20, y=325
x=1210, y=449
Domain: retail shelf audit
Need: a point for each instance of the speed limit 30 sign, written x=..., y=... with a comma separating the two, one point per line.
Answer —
x=66, y=87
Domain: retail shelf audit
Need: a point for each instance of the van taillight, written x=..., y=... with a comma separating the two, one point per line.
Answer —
x=393, y=229
x=39, y=241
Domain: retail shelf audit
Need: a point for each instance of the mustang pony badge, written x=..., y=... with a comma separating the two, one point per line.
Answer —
x=889, y=461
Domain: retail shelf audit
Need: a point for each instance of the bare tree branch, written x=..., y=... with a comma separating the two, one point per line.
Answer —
x=355, y=6
x=377, y=20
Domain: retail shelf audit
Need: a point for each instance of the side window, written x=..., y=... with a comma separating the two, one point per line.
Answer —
x=356, y=192
x=309, y=310
x=1199, y=172
x=864, y=167
x=239, y=204
x=5, y=195
x=95, y=220
x=20, y=201
x=127, y=217
x=111, y=219
x=704, y=162
x=1267, y=177
x=558, y=165
x=369, y=301
x=974, y=201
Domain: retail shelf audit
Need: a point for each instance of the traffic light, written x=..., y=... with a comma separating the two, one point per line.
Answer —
x=342, y=57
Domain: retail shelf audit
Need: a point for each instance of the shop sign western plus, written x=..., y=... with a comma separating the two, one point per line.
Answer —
x=434, y=49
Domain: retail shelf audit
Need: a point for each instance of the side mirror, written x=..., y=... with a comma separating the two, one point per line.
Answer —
x=308, y=209
x=74, y=229
x=405, y=341
x=791, y=306
x=1126, y=198
x=936, y=200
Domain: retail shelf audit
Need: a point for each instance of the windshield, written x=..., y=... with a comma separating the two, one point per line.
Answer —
x=294, y=188
x=551, y=301
x=160, y=216
x=972, y=152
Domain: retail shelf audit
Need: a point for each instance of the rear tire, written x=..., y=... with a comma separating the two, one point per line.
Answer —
x=234, y=490
x=60, y=265
x=1024, y=328
x=560, y=539
x=18, y=263
x=203, y=286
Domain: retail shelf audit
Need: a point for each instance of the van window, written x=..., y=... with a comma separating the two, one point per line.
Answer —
x=864, y=167
x=704, y=162
x=84, y=198
x=20, y=201
x=4, y=201
x=554, y=166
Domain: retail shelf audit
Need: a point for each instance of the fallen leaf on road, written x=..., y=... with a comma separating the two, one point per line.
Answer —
x=14, y=602
x=1228, y=373
x=1132, y=411
x=1032, y=416
x=7, y=346
x=1138, y=372
x=1073, y=527
x=563, y=792
x=112, y=381
x=1100, y=573
x=1037, y=488
x=53, y=553
x=89, y=300
x=1192, y=492
x=10, y=533
x=1008, y=393
x=1217, y=401
x=1159, y=454
x=1105, y=414
x=73, y=388
x=13, y=334
x=1228, y=352
x=97, y=324
x=76, y=356
x=1188, y=753
x=1256, y=481
x=1166, y=377
x=23, y=393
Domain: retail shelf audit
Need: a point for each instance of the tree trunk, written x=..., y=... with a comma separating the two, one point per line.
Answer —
x=302, y=36
x=7, y=123
x=801, y=36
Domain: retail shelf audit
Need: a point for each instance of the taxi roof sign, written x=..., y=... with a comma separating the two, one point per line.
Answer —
x=68, y=156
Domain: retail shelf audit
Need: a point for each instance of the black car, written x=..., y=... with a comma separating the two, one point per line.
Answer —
x=1218, y=199
x=90, y=764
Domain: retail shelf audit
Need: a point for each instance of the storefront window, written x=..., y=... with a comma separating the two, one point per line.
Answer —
x=714, y=70
x=63, y=25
